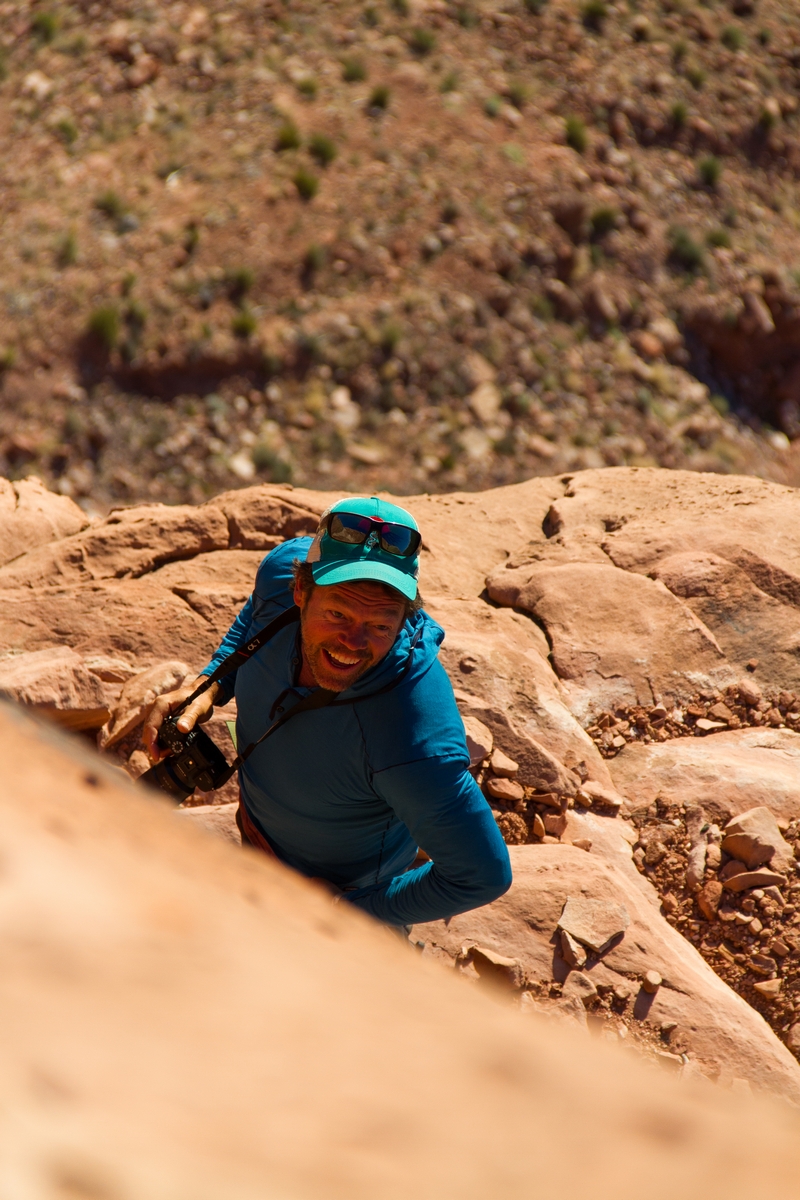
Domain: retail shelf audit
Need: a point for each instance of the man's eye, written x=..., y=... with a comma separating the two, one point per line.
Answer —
x=338, y=615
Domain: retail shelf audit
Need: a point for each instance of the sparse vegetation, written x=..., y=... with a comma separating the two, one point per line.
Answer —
x=718, y=238
x=308, y=87
x=268, y=461
x=379, y=97
x=575, y=132
x=696, y=76
x=244, y=324
x=67, y=249
x=104, y=325
x=732, y=37
x=679, y=114
x=67, y=130
x=44, y=26
x=684, y=252
x=288, y=137
x=307, y=184
x=603, y=220
x=492, y=106
x=449, y=82
x=709, y=171
x=8, y=356
x=518, y=93
x=322, y=148
x=422, y=41
x=354, y=70
x=239, y=281
x=111, y=205
x=594, y=14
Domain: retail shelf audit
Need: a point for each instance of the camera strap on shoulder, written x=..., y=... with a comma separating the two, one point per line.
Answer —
x=240, y=656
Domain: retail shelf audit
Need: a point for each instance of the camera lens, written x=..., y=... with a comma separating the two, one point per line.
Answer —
x=164, y=778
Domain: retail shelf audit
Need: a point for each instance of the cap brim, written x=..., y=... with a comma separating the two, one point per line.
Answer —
x=326, y=574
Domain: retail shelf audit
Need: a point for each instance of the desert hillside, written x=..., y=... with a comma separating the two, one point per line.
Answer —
x=407, y=245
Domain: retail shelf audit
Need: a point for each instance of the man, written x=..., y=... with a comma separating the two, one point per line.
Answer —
x=348, y=792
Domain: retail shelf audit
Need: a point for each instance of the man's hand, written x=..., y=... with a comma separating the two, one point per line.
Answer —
x=197, y=712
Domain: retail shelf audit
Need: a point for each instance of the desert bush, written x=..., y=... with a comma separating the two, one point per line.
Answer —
x=111, y=205
x=8, y=356
x=379, y=97
x=603, y=220
x=307, y=184
x=678, y=114
x=238, y=282
x=535, y=6
x=267, y=460
x=67, y=130
x=308, y=87
x=696, y=76
x=593, y=15
x=518, y=93
x=575, y=132
x=322, y=148
x=67, y=249
x=288, y=137
x=422, y=41
x=709, y=171
x=718, y=238
x=103, y=325
x=314, y=259
x=449, y=82
x=354, y=70
x=244, y=324
x=191, y=237
x=492, y=106
x=44, y=26
x=732, y=37
x=3, y=65
x=684, y=252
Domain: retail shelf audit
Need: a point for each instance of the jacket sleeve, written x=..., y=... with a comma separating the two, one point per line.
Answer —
x=443, y=808
x=232, y=641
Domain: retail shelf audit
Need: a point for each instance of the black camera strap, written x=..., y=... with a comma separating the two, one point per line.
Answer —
x=319, y=698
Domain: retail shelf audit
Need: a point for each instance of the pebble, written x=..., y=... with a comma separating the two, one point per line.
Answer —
x=651, y=982
x=505, y=789
x=538, y=827
x=582, y=843
x=708, y=726
x=770, y=989
x=779, y=947
x=572, y=951
x=502, y=765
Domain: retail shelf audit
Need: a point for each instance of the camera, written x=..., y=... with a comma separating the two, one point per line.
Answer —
x=195, y=762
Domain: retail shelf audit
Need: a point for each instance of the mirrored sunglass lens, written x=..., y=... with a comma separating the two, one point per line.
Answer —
x=396, y=539
x=347, y=527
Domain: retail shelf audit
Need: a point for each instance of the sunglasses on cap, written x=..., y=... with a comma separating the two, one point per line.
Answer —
x=354, y=530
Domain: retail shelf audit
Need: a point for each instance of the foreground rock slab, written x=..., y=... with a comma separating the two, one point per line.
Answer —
x=719, y=1032
x=140, y=956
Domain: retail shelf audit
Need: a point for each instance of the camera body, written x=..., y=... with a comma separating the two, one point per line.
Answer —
x=195, y=762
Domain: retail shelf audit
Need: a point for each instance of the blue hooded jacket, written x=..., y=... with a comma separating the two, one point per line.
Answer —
x=348, y=793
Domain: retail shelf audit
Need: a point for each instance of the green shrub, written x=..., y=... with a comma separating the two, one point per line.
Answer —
x=680, y=50
x=422, y=41
x=535, y=6
x=239, y=281
x=67, y=249
x=3, y=65
x=709, y=171
x=518, y=93
x=380, y=97
x=354, y=70
x=492, y=106
x=718, y=238
x=112, y=205
x=696, y=76
x=467, y=16
x=322, y=148
x=191, y=237
x=306, y=183
x=67, y=130
x=8, y=356
x=244, y=324
x=314, y=259
x=136, y=317
x=104, y=325
x=593, y=14
x=732, y=37
x=266, y=459
x=308, y=87
x=575, y=132
x=720, y=404
x=449, y=82
x=288, y=137
x=764, y=37
x=678, y=114
x=603, y=220
x=684, y=251
x=44, y=26
x=401, y=7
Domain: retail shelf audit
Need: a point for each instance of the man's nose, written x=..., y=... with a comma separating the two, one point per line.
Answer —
x=354, y=637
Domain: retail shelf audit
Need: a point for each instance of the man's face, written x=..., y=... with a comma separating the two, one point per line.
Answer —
x=347, y=628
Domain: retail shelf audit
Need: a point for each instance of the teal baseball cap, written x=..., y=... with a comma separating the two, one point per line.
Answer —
x=351, y=544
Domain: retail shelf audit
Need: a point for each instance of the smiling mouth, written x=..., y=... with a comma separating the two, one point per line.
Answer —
x=341, y=662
